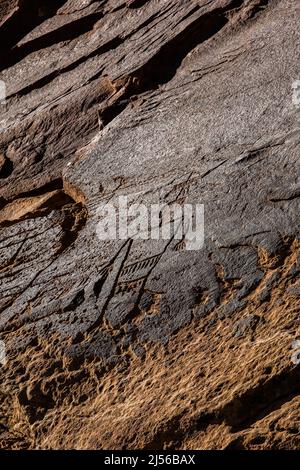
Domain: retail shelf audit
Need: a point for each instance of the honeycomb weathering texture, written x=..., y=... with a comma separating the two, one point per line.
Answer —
x=142, y=344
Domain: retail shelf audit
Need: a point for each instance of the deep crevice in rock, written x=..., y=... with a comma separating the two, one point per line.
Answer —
x=25, y=19
x=110, y=45
x=6, y=169
x=67, y=32
x=164, y=65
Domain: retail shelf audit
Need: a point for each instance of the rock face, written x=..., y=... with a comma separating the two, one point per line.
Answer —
x=143, y=343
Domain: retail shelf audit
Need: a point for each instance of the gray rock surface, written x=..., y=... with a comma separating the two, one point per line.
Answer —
x=161, y=101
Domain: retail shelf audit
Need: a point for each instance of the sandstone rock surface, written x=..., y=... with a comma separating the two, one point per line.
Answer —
x=130, y=344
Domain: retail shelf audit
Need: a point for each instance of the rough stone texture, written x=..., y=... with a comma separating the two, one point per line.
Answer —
x=139, y=344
